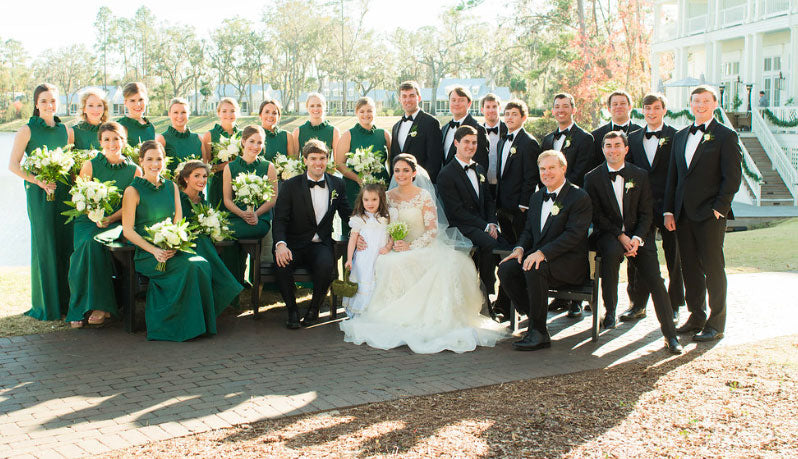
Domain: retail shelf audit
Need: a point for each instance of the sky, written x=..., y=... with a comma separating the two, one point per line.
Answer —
x=71, y=22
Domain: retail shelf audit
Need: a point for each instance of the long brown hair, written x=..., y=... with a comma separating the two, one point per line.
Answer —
x=189, y=167
x=44, y=87
x=382, y=210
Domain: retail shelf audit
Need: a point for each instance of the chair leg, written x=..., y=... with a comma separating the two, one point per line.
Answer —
x=333, y=306
x=513, y=318
x=129, y=293
x=596, y=305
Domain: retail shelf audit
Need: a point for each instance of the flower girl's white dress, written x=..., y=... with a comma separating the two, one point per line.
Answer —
x=373, y=230
x=427, y=297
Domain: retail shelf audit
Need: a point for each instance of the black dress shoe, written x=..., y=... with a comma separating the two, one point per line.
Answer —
x=609, y=322
x=293, y=319
x=673, y=345
x=691, y=326
x=633, y=313
x=559, y=305
x=533, y=341
x=311, y=317
x=575, y=310
x=708, y=334
x=498, y=312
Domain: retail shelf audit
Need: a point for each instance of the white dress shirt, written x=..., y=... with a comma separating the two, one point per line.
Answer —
x=558, y=143
x=545, y=209
x=404, y=129
x=506, y=150
x=650, y=145
x=321, y=202
x=493, y=142
x=618, y=188
x=692, y=143
x=447, y=142
x=471, y=174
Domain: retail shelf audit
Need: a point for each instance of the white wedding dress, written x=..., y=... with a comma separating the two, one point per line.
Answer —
x=427, y=297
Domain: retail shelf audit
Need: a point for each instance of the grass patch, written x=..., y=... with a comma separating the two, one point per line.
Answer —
x=15, y=294
x=773, y=248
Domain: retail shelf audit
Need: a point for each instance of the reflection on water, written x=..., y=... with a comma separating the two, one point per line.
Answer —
x=14, y=225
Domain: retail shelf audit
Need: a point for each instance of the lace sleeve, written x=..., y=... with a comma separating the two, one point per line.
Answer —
x=430, y=213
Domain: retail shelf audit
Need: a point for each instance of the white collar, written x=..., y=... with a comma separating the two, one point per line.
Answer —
x=706, y=124
x=462, y=163
x=307, y=174
x=660, y=128
x=621, y=125
x=413, y=115
x=558, y=189
x=498, y=123
x=614, y=170
x=566, y=129
x=513, y=133
x=460, y=120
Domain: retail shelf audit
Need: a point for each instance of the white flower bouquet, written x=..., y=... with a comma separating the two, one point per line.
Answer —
x=80, y=157
x=287, y=167
x=397, y=230
x=132, y=152
x=365, y=162
x=93, y=198
x=171, y=236
x=49, y=166
x=226, y=149
x=252, y=190
x=211, y=222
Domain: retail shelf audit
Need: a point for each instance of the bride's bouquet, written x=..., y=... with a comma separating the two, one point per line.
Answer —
x=365, y=162
x=287, y=167
x=80, y=157
x=252, y=190
x=397, y=230
x=168, y=235
x=49, y=166
x=226, y=149
x=211, y=222
x=93, y=198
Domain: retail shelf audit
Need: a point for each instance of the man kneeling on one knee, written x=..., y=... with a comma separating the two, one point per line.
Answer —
x=552, y=249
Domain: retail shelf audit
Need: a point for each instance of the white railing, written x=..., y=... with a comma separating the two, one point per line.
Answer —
x=733, y=15
x=697, y=24
x=773, y=7
x=786, y=114
x=776, y=154
x=753, y=185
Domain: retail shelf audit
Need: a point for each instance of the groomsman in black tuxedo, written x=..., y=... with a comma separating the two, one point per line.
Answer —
x=573, y=141
x=551, y=251
x=302, y=230
x=468, y=204
x=459, y=104
x=490, y=106
x=417, y=133
x=622, y=223
x=703, y=177
x=650, y=149
x=619, y=104
x=516, y=170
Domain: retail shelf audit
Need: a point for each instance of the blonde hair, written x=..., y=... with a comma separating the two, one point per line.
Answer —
x=319, y=96
x=227, y=100
x=178, y=100
x=553, y=154
x=84, y=97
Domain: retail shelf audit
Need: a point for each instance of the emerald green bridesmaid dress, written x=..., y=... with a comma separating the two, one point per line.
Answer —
x=181, y=146
x=50, y=235
x=276, y=143
x=90, y=266
x=323, y=132
x=137, y=132
x=364, y=138
x=215, y=195
x=86, y=136
x=180, y=303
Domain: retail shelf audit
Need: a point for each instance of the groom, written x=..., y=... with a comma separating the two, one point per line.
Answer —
x=417, y=133
x=302, y=228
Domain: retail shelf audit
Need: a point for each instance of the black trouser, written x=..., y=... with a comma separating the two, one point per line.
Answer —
x=647, y=267
x=529, y=290
x=638, y=290
x=319, y=259
x=511, y=224
x=703, y=265
x=484, y=258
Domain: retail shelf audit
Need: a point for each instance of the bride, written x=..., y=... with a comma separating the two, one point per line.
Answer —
x=427, y=293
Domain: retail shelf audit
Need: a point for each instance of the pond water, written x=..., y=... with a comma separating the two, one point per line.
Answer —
x=14, y=225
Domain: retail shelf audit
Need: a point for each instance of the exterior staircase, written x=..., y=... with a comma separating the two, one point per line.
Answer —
x=774, y=191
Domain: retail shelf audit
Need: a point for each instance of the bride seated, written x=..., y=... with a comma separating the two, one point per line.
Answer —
x=426, y=292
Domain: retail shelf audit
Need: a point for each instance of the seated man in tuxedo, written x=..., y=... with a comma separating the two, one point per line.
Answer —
x=552, y=249
x=417, y=133
x=650, y=149
x=573, y=141
x=459, y=104
x=469, y=205
x=619, y=104
x=490, y=105
x=703, y=177
x=302, y=228
x=622, y=222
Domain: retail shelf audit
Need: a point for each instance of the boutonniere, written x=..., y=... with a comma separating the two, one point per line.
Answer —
x=512, y=150
x=567, y=143
x=555, y=209
x=413, y=131
x=481, y=178
x=629, y=185
x=708, y=137
x=333, y=195
x=663, y=141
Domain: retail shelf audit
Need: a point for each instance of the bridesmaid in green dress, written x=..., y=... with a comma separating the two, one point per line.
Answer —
x=277, y=140
x=90, y=267
x=363, y=135
x=139, y=128
x=178, y=140
x=227, y=112
x=225, y=287
x=245, y=223
x=51, y=237
x=94, y=111
x=316, y=127
x=180, y=303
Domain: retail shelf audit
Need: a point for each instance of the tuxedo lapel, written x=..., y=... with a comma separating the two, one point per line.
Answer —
x=700, y=148
x=307, y=200
x=410, y=137
x=537, y=204
x=558, y=203
x=605, y=177
x=467, y=182
x=395, y=131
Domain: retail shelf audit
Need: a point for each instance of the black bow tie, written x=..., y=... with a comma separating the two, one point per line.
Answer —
x=407, y=118
x=700, y=127
x=454, y=124
x=559, y=134
x=615, y=127
x=493, y=130
x=508, y=137
x=547, y=196
x=650, y=134
x=472, y=166
x=320, y=183
x=614, y=174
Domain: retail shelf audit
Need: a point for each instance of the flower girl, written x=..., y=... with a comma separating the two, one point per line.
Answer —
x=369, y=221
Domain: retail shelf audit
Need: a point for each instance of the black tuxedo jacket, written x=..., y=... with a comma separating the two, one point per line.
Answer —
x=563, y=239
x=460, y=202
x=423, y=141
x=481, y=156
x=578, y=151
x=658, y=171
x=598, y=137
x=294, y=218
x=520, y=177
x=637, y=203
x=711, y=180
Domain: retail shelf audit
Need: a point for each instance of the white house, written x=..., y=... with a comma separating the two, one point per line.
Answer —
x=478, y=87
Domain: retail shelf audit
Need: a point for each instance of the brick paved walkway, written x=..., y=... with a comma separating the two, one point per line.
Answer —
x=86, y=392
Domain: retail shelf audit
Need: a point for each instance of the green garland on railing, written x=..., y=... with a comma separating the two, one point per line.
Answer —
x=778, y=121
x=750, y=173
x=686, y=113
